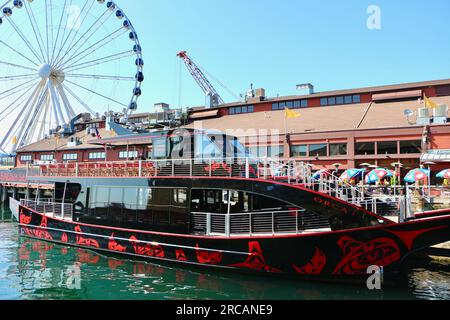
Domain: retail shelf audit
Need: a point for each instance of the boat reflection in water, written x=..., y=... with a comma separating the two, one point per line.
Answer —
x=50, y=271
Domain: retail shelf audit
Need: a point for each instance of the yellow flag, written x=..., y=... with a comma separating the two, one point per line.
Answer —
x=430, y=104
x=14, y=140
x=291, y=114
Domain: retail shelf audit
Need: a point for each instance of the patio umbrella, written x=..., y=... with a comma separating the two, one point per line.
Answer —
x=321, y=173
x=417, y=175
x=378, y=174
x=444, y=174
x=351, y=174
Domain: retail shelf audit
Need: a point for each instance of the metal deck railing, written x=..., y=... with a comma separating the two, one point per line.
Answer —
x=257, y=223
x=56, y=210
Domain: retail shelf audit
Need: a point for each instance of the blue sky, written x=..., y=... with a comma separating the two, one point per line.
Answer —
x=277, y=44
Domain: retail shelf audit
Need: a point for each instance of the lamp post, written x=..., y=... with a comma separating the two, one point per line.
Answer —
x=397, y=166
x=428, y=165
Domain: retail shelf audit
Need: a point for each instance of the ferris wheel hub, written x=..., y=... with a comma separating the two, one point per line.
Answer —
x=46, y=71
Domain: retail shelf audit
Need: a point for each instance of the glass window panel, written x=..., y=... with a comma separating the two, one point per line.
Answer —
x=232, y=111
x=262, y=151
x=238, y=110
x=332, y=101
x=338, y=149
x=304, y=103
x=357, y=98
x=276, y=151
x=244, y=109
x=299, y=151
x=365, y=148
x=318, y=150
x=290, y=104
x=274, y=106
x=411, y=147
x=339, y=100
x=251, y=109
x=281, y=105
x=348, y=99
x=324, y=101
x=387, y=147
x=297, y=104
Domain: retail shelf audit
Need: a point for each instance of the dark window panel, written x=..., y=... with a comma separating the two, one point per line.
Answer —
x=387, y=147
x=338, y=149
x=318, y=150
x=365, y=148
x=411, y=147
x=299, y=151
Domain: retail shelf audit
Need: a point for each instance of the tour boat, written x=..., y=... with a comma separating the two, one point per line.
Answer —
x=203, y=201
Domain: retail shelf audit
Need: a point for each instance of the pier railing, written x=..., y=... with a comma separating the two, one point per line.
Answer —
x=56, y=210
x=257, y=223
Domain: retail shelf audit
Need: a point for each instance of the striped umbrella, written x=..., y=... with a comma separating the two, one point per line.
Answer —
x=378, y=174
x=444, y=174
x=321, y=173
x=351, y=174
x=417, y=175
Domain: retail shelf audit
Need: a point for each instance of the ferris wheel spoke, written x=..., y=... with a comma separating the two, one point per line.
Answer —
x=24, y=38
x=6, y=63
x=16, y=88
x=35, y=27
x=32, y=19
x=96, y=46
x=98, y=23
x=78, y=27
x=69, y=110
x=99, y=77
x=23, y=112
x=62, y=26
x=98, y=94
x=100, y=61
x=74, y=95
x=19, y=53
x=59, y=29
x=10, y=108
x=18, y=77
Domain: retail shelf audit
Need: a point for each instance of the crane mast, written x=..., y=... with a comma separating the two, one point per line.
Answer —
x=213, y=97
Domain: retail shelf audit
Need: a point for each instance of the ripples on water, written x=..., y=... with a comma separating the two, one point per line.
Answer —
x=31, y=269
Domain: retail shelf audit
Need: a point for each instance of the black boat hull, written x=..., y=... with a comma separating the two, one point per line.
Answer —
x=328, y=254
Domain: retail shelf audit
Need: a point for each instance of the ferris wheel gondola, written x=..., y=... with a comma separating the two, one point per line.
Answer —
x=60, y=58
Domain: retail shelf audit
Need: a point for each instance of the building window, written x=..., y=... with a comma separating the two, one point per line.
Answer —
x=70, y=157
x=299, y=151
x=411, y=147
x=276, y=151
x=365, y=148
x=262, y=151
x=357, y=98
x=232, y=111
x=304, y=103
x=290, y=104
x=127, y=155
x=239, y=110
x=348, y=99
x=97, y=155
x=318, y=150
x=47, y=157
x=324, y=101
x=332, y=101
x=339, y=100
x=244, y=109
x=26, y=158
x=338, y=149
x=251, y=109
x=387, y=147
x=275, y=106
x=282, y=106
x=297, y=104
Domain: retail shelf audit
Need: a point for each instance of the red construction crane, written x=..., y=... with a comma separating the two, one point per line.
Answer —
x=201, y=79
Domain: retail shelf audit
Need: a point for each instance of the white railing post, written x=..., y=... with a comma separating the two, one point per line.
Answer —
x=273, y=223
x=227, y=225
x=250, y=225
x=247, y=168
x=208, y=224
x=76, y=169
x=140, y=168
x=173, y=167
x=191, y=164
x=210, y=167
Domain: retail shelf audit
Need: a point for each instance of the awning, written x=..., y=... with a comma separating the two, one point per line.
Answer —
x=436, y=156
x=205, y=114
x=397, y=95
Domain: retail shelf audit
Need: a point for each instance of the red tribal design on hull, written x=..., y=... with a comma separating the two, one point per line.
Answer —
x=255, y=260
x=180, y=255
x=147, y=249
x=115, y=246
x=315, y=266
x=85, y=241
x=358, y=256
x=24, y=219
x=208, y=257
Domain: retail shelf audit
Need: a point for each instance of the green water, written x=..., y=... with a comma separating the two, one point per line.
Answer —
x=31, y=269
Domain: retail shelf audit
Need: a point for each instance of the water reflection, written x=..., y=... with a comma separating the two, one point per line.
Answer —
x=40, y=270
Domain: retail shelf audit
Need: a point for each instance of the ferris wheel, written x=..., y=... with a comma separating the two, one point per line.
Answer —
x=59, y=58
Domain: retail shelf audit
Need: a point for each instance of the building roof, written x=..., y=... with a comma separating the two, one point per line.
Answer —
x=374, y=89
x=53, y=143
x=319, y=119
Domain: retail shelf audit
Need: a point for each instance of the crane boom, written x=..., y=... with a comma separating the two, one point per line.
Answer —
x=201, y=79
